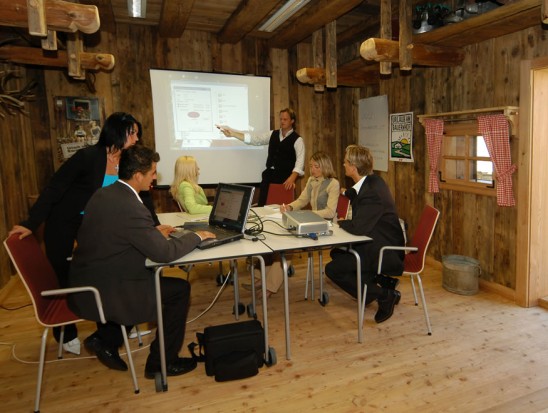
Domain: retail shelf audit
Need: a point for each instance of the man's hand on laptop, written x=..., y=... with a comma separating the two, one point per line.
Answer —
x=165, y=229
x=205, y=235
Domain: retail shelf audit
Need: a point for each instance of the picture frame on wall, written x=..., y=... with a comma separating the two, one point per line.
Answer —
x=78, y=123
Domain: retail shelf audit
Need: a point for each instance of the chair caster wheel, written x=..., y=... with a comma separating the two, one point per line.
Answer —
x=324, y=300
x=272, y=360
x=291, y=271
x=251, y=311
x=241, y=309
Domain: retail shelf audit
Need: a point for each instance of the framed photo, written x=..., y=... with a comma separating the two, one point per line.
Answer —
x=78, y=121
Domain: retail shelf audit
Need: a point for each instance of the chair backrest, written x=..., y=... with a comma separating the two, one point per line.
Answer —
x=414, y=262
x=277, y=194
x=181, y=208
x=38, y=275
x=343, y=205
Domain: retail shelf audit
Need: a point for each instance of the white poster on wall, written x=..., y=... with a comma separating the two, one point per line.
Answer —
x=373, y=129
x=401, y=137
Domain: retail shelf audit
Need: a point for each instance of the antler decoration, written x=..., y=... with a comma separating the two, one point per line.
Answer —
x=13, y=101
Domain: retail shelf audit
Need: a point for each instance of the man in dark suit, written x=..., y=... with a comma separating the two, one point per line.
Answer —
x=116, y=237
x=373, y=214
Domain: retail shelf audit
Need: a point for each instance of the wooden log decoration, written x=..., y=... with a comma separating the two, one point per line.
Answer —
x=60, y=15
x=382, y=50
x=345, y=77
x=36, y=56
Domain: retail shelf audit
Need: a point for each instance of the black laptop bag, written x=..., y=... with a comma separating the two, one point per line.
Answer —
x=231, y=351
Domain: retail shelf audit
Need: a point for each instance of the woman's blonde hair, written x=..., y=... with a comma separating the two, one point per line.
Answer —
x=324, y=162
x=186, y=170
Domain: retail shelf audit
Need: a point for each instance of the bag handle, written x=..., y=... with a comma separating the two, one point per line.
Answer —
x=200, y=357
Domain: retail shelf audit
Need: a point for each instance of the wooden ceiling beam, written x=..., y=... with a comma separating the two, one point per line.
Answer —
x=60, y=15
x=245, y=18
x=383, y=50
x=316, y=15
x=174, y=17
x=59, y=58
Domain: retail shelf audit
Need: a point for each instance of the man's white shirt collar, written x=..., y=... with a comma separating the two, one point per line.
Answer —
x=357, y=186
x=133, y=189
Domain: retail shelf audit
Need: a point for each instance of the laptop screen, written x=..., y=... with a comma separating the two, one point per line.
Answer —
x=231, y=206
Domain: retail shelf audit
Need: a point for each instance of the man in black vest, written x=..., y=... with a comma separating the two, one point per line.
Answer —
x=285, y=161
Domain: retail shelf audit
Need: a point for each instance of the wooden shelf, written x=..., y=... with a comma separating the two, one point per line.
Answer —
x=504, y=20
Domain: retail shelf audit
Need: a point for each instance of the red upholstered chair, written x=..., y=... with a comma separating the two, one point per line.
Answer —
x=277, y=194
x=343, y=205
x=48, y=300
x=416, y=255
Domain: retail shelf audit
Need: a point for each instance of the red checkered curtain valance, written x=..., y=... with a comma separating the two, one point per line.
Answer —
x=496, y=133
x=434, y=135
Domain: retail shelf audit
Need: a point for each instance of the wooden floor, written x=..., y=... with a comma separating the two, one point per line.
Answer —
x=485, y=355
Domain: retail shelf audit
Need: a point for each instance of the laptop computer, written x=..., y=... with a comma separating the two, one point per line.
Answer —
x=228, y=216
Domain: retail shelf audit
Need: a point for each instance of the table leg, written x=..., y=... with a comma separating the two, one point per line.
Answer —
x=265, y=308
x=160, y=326
x=234, y=269
x=361, y=303
x=286, y=308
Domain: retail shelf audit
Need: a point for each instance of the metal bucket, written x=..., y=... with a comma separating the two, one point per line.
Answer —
x=461, y=274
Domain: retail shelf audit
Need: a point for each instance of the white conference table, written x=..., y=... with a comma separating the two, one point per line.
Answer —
x=239, y=249
x=279, y=240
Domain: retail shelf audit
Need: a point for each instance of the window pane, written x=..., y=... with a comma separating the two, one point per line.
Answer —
x=478, y=147
x=454, y=169
x=455, y=146
x=481, y=172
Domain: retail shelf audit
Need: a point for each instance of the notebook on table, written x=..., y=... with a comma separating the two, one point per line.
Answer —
x=228, y=216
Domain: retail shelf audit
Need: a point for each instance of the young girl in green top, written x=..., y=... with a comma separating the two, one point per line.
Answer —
x=185, y=189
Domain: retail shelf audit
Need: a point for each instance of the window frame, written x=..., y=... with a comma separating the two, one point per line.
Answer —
x=468, y=130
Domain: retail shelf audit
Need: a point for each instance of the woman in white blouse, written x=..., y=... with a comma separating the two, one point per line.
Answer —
x=321, y=193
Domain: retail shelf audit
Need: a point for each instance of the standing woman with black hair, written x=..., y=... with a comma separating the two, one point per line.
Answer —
x=61, y=204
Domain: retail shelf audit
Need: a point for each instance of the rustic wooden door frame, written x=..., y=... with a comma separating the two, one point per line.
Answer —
x=532, y=226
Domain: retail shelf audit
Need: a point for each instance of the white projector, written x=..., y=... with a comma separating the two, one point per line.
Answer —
x=304, y=222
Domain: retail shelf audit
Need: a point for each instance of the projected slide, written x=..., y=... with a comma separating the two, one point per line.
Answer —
x=188, y=105
x=198, y=108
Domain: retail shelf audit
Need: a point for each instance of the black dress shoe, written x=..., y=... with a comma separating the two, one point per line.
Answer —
x=386, y=306
x=181, y=366
x=108, y=357
x=387, y=282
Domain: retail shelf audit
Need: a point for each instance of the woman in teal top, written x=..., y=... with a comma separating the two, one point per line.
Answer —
x=185, y=189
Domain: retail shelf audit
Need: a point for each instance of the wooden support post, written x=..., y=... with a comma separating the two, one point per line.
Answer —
x=50, y=42
x=386, y=32
x=331, y=54
x=544, y=11
x=317, y=53
x=75, y=46
x=36, y=11
x=406, y=35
